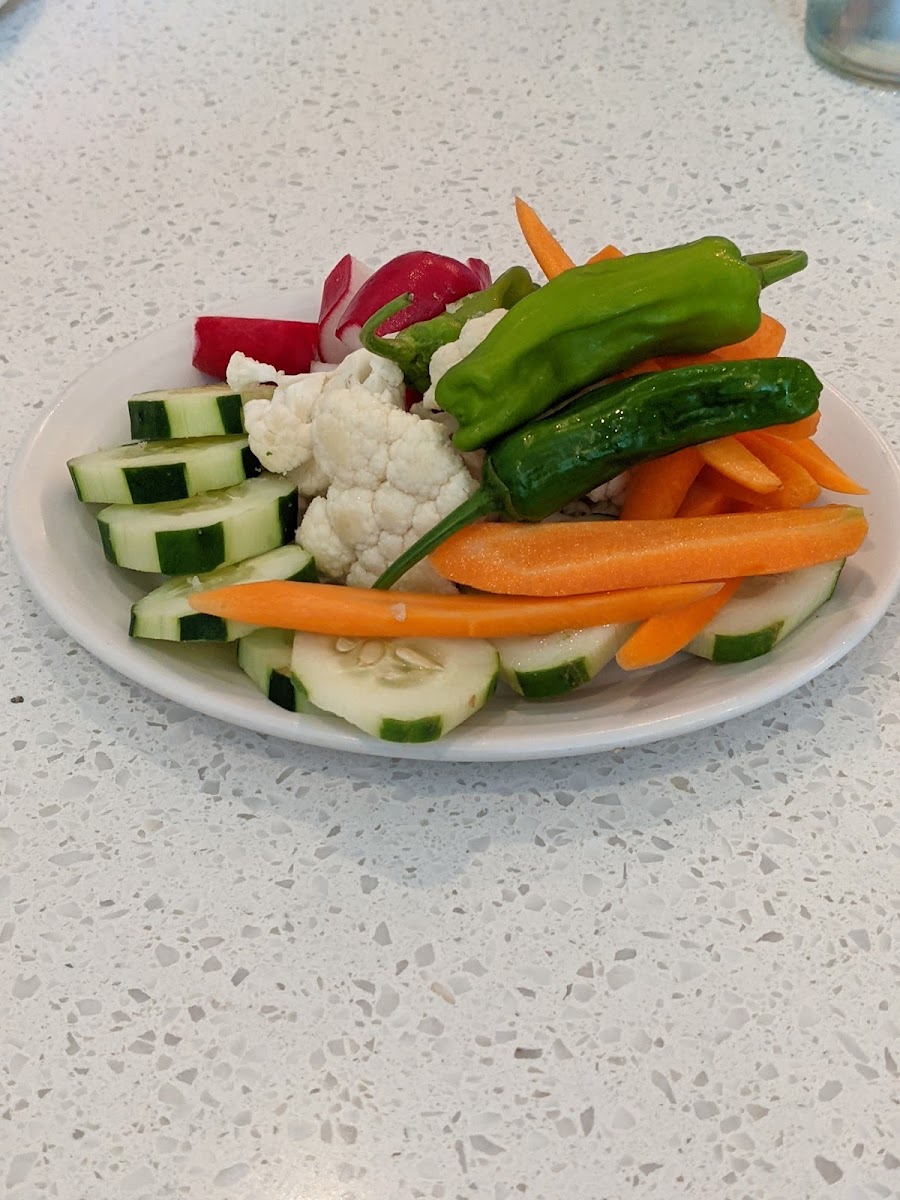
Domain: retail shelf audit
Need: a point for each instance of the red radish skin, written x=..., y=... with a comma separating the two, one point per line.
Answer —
x=481, y=271
x=433, y=280
x=288, y=346
x=341, y=285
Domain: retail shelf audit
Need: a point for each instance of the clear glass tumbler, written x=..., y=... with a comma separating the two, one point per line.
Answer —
x=860, y=38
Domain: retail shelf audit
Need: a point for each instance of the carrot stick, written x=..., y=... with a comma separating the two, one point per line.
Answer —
x=566, y=558
x=551, y=257
x=765, y=343
x=795, y=430
x=797, y=485
x=705, y=498
x=605, y=255
x=365, y=612
x=823, y=469
x=657, y=488
x=659, y=637
x=732, y=459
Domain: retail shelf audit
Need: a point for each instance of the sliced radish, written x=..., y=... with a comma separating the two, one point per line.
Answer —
x=341, y=285
x=433, y=280
x=289, y=346
x=481, y=271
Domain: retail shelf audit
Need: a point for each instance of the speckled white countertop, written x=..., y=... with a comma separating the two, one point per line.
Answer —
x=238, y=968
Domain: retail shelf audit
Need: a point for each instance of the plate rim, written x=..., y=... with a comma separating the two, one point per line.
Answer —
x=462, y=745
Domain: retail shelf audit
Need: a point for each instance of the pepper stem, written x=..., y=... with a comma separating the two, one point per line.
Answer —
x=776, y=264
x=482, y=503
x=368, y=335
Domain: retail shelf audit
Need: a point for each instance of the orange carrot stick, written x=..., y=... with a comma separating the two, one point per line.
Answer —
x=797, y=485
x=765, y=343
x=823, y=469
x=795, y=430
x=605, y=255
x=365, y=612
x=658, y=488
x=659, y=637
x=732, y=459
x=567, y=558
x=551, y=257
x=705, y=498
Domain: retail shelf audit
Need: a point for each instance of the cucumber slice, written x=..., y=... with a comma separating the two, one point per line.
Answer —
x=400, y=690
x=540, y=667
x=763, y=611
x=189, y=412
x=166, y=615
x=185, y=537
x=265, y=655
x=151, y=472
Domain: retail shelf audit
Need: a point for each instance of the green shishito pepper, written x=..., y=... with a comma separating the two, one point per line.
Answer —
x=591, y=322
x=413, y=347
x=540, y=467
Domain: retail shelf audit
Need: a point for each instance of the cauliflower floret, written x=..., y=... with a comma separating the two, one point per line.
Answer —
x=393, y=477
x=611, y=493
x=333, y=558
x=280, y=434
x=472, y=334
x=379, y=477
x=375, y=374
x=243, y=372
x=279, y=429
x=604, y=501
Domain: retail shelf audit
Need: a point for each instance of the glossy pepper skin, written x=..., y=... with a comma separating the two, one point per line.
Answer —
x=594, y=321
x=413, y=347
x=542, y=466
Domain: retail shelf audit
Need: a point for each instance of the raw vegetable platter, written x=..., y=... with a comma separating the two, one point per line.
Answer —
x=56, y=542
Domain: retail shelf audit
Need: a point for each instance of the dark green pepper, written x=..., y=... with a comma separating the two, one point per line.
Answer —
x=540, y=467
x=591, y=322
x=413, y=347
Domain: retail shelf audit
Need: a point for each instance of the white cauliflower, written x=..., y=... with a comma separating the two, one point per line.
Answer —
x=471, y=335
x=244, y=372
x=280, y=433
x=379, y=477
x=280, y=430
x=392, y=475
x=611, y=493
x=372, y=373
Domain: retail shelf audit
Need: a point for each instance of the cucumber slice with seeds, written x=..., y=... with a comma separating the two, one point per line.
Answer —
x=166, y=615
x=539, y=668
x=763, y=611
x=189, y=412
x=152, y=472
x=186, y=537
x=399, y=690
x=265, y=656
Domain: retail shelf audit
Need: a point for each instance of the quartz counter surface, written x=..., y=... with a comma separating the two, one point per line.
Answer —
x=236, y=967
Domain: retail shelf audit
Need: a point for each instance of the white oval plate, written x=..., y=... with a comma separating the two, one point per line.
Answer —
x=56, y=543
